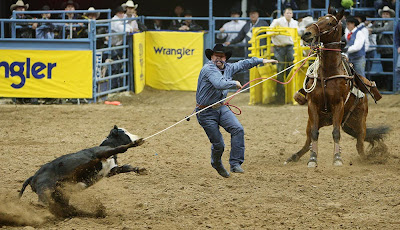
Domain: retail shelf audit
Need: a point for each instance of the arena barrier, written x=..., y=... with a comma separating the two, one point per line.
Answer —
x=262, y=47
x=168, y=60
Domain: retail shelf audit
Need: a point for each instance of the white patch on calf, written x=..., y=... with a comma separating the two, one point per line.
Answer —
x=131, y=136
x=107, y=165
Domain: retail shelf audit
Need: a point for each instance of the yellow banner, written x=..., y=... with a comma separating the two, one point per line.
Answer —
x=46, y=74
x=139, y=59
x=173, y=59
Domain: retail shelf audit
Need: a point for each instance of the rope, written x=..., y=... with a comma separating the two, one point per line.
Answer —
x=188, y=117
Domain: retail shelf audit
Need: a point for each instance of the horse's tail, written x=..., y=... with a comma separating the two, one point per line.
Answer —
x=28, y=181
x=372, y=134
x=376, y=134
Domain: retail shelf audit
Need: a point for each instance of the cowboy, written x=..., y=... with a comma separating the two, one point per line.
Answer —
x=214, y=81
x=131, y=12
x=91, y=15
x=25, y=30
x=384, y=39
x=356, y=43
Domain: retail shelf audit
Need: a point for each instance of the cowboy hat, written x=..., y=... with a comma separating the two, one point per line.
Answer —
x=386, y=9
x=70, y=2
x=352, y=20
x=218, y=48
x=18, y=4
x=130, y=3
x=92, y=9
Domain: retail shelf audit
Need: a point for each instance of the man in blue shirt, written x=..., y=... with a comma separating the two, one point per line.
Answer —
x=214, y=81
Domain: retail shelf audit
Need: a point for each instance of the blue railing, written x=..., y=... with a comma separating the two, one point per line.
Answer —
x=124, y=74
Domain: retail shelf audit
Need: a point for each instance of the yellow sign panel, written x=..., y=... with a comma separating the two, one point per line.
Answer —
x=139, y=58
x=173, y=59
x=46, y=74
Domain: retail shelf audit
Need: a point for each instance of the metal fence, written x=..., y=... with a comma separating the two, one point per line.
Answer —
x=112, y=65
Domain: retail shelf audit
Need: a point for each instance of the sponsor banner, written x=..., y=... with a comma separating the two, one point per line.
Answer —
x=139, y=61
x=173, y=59
x=46, y=74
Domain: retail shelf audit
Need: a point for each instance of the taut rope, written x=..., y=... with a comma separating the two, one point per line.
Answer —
x=187, y=117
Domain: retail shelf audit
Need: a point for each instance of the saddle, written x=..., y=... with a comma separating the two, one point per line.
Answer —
x=366, y=86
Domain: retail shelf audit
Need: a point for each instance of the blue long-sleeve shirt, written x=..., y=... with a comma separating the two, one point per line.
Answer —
x=213, y=83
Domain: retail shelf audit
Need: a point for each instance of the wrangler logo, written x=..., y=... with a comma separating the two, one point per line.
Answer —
x=178, y=52
x=25, y=70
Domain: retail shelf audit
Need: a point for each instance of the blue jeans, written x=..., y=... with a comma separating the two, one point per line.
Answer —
x=210, y=119
x=359, y=65
x=284, y=54
x=368, y=63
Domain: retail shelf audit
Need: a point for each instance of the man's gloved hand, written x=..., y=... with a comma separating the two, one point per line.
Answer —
x=344, y=49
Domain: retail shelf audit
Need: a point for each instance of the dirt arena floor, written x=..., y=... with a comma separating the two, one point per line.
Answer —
x=181, y=189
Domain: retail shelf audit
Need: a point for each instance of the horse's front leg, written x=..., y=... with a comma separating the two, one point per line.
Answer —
x=314, y=122
x=337, y=117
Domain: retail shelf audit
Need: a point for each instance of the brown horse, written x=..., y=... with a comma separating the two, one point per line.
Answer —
x=332, y=102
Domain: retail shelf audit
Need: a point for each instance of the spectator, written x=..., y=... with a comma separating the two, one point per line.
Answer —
x=100, y=42
x=379, y=4
x=72, y=31
x=397, y=41
x=356, y=43
x=247, y=30
x=384, y=39
x=363, y=28
x=178, y=12
x=233, y=25
x=188, y=24
x=156, y=24
x=45, y=30
x=131, y=12
x=371, y=51
x=24, y=30
x=289, y=4
x=283, y=50
x=118, y=26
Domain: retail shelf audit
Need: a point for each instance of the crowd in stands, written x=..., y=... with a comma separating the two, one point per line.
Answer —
x=360, y=35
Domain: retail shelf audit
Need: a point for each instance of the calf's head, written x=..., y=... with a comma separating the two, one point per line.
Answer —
x=119, y=136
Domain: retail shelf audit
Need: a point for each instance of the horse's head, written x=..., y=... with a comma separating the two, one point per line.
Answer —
x=327, y=29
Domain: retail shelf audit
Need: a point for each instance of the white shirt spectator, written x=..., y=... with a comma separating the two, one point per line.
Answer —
x=365, y=31
x=358, y=43
x=283, y=40
x=117, y=27
x=234, y=25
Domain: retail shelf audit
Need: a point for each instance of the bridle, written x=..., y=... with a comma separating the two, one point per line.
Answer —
x=327, y=31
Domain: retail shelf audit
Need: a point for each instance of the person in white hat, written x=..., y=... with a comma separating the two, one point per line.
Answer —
x=27, y=30
x=378, y=27
x=131, y=12
x=19, y=6
x=91, y=15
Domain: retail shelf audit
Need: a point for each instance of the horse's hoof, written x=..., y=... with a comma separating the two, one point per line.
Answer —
x=338, y=162
x=312, y=164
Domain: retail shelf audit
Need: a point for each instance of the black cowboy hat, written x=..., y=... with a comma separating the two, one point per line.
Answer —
x=119, y=9
x=352, y=20
x=70, y=2
x=218, y=48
